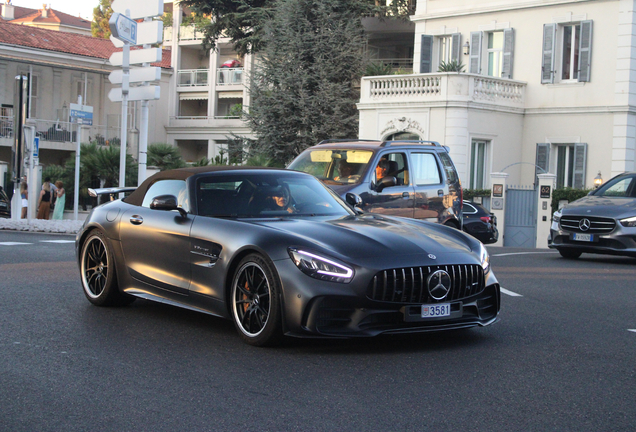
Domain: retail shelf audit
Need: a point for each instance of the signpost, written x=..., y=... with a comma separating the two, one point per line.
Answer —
x=124, y=34
x=82, y=115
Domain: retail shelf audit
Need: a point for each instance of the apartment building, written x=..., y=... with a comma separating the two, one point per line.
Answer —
x=547, y=86
x=62, y=67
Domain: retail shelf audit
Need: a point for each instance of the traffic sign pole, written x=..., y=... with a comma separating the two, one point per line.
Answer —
x=77, y=165
x=124, y=116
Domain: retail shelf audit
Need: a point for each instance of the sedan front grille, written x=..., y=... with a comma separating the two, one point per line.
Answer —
x=409, y=285
x=598, y=225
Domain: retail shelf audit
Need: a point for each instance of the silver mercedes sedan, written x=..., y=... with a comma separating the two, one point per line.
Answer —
x=603, y=222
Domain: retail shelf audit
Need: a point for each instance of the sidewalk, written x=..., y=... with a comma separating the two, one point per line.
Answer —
x=65, y=226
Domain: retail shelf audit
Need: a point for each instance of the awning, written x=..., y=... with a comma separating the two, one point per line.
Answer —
x=193, y=96
x=230, y=95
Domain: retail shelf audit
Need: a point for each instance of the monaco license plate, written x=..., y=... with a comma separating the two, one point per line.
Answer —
x=435, y=310
x=583, y=237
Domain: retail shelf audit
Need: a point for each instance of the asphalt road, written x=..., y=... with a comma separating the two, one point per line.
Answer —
x=562, y=358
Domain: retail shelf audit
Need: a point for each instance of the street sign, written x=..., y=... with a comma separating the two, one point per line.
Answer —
x=143, y=74
x=135, y=93
x=149, y=55
x=36, y=147
x=83, y=114
x=138, y=9
x=148, y=32
x=123, y=28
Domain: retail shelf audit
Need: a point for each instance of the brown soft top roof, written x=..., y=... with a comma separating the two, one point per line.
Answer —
x=137, y=197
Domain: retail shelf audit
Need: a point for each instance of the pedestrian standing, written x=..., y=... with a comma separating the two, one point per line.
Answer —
x=60, y=201
x=24, y=195
x=44, y=203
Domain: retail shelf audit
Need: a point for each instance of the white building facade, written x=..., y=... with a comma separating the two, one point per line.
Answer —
x=548, y=86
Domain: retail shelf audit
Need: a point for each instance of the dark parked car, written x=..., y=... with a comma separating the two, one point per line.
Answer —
x=480, y=223
x=5, y=204
x=603, y=222
x=279, y=253
x=419, y=180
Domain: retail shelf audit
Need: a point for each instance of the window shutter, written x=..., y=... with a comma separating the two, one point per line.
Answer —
x=475, y=52
x=585, y=51
x=547, y=63
x=456, y=48
x=508, y=48
x=426, y=54
x=580, y=162
x=543, y=159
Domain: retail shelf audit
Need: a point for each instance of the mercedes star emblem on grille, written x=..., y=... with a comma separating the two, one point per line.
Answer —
x=439, y=284
x=431, y=256
x=584, y=224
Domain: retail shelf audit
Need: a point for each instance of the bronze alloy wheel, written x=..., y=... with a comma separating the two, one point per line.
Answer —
x=255, y=306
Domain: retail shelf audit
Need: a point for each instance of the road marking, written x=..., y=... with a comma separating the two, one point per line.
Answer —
x=523, y=253
x=13, y=243
x=510, y=293
x=57, y=241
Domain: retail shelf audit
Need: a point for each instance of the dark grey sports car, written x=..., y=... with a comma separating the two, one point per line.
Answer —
x=280, y=254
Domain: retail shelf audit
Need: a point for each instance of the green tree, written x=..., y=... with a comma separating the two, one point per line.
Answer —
x=164, y=156
x=101, y=15
x=244, y=21
x=303, y=88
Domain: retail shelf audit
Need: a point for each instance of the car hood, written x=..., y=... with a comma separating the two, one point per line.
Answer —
x=613, y=207
x=356, y=236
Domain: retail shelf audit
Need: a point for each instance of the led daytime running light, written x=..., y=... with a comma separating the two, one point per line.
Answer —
x=348, y=271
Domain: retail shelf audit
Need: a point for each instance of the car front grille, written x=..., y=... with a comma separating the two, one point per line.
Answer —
x=598, y=225
x=409, y=285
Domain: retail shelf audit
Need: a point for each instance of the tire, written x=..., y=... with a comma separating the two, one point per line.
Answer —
x=97, y=271
x=255, y=298
x=569, y=254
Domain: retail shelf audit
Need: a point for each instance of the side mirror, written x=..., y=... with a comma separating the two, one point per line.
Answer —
x=167, y=203
x=385, y=182
x=355, y=201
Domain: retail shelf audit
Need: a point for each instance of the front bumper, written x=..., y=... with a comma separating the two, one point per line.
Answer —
x=621, y=241
x=325, y=309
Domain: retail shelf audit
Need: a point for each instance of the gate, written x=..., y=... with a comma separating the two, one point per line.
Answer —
x=521, y=217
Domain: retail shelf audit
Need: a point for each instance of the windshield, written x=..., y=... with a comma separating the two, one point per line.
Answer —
x=272, y=194
x=618, y=187
x=334, y=166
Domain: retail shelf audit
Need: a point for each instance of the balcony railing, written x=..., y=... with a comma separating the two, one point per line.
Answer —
x=460, y=87
x=193, y=77
x=229, y=76
x=64, y=132
x=190, y=32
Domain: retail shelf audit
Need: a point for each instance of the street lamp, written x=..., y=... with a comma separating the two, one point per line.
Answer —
x=598, y=180
x=466, y=48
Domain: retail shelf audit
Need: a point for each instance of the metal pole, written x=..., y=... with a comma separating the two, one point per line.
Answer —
x=124, y=114
x=20, y=107
x=143, y=142
x=77, y=167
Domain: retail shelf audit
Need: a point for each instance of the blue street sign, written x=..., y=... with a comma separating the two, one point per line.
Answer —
x=36, y=147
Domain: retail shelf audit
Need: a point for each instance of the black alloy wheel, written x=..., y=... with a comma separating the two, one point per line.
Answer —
x=98, y=272
x=255, y=302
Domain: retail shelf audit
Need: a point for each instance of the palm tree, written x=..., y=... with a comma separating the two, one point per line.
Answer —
x=164, y=156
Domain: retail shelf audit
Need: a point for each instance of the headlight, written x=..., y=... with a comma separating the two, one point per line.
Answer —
x=629, y=222
x=320, y=267
x=484, y=258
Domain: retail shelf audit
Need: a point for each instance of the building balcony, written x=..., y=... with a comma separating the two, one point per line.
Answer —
x=461, y=88
x=193, y=78
x=229, y=76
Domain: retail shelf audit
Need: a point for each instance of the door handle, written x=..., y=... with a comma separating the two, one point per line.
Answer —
x=136, y=220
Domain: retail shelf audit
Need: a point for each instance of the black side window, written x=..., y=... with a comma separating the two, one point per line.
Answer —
x=449, y=168
x=168, y=187
x=468, y=209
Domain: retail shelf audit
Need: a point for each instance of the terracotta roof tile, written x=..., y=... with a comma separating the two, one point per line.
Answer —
x=53, y=17
x=64, y=42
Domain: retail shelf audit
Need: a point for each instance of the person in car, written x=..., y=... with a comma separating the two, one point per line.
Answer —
x=382, y=169
x=346, y=172
x=280, y=200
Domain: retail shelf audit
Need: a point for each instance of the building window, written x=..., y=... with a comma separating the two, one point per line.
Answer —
x=437, y=49
x=570, y=163
x=567, y=52
x=495, y=53
x=478, y=160
x=444, y=45
x=78, y=90
x=33, y=100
